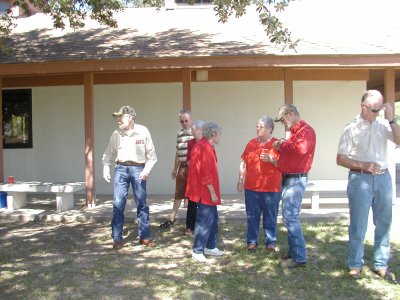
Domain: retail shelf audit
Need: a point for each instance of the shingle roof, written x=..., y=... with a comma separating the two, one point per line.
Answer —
x=325, y=28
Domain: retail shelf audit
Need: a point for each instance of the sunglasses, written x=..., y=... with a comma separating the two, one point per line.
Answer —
x=372, y=109
x=184, y=121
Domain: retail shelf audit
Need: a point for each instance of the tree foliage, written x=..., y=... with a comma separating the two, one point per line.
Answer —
x=74, y=13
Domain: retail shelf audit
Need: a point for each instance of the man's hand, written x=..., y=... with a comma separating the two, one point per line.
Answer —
x=106, y=174
x=389, y=111
x=277, y=144
x=144, y=176
x=374, y=168
x=173, y=174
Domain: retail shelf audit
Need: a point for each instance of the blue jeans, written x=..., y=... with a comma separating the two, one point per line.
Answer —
x=365, y=191
x=266, y=203
x=292, y=196
x=206, y=228
x=125, y=175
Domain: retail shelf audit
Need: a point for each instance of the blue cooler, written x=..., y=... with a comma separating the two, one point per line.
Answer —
x=3, y=200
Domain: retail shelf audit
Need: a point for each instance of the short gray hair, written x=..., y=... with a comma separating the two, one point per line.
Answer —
x=185, y=111
x=198, y=124
x=268, y=122
x=211, y=129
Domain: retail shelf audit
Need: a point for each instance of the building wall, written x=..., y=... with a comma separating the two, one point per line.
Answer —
x=58, y=125
x=58, y=138
x=328, y=106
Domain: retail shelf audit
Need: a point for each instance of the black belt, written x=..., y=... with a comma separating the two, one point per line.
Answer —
x=183, y=165
x=294, y=175
x=366, y=172
x=129, y=163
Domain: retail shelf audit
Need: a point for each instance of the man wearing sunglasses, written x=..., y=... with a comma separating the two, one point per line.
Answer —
x=363, y=150
x=295, y=161
x=180, y=171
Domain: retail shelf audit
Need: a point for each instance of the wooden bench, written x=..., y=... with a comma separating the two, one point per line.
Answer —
x=16, y=193
x=315, y=187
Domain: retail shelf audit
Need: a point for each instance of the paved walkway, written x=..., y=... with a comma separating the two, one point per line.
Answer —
x=43, y=207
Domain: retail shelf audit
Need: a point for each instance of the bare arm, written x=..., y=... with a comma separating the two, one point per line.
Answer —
x=176, y=164
x=214, y=197
x=242, y=172
x=345, y=161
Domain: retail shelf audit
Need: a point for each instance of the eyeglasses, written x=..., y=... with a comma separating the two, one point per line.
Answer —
x=372, y=109
x=184, y=121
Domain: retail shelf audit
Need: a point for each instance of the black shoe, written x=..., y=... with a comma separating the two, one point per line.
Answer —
x=290, y=264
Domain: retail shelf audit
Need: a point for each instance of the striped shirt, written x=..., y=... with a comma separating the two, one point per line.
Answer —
x=183, y=137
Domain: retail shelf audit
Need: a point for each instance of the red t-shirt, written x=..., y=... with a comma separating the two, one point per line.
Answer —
x=297, y=153
x=203, y=171
x=261, y=176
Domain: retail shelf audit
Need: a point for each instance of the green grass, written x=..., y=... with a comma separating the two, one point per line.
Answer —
x=75, y=260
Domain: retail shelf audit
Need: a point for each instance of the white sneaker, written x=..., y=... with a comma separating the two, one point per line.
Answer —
x=200, y=257
x=213, y=252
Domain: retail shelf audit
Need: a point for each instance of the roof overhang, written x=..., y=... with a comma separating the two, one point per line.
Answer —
x=196, y=63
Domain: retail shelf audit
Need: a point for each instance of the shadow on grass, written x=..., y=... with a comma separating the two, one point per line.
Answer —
x=75, y=260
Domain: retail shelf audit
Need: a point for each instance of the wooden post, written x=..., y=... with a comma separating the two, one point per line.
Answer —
x=186, y=82
x=288, y=87
x=89, y=139
x=390, y=92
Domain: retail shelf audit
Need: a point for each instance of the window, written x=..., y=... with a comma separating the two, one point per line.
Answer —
x=17, y=118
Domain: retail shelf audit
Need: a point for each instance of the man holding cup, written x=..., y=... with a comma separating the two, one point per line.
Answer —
x=363, y=150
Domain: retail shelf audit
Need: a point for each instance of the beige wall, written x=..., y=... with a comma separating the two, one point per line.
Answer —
x=236, y=107
x=328, y=106
x=58, y=125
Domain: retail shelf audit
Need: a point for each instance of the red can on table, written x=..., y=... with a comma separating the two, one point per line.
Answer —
x=10, y=179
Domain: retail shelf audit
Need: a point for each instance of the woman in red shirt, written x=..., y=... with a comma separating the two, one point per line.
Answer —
x=203, y=187
x=261, y=182
x=192, y=206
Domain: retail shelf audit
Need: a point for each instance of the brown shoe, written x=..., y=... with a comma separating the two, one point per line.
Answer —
x=355, y=273
x=117, y=245
x=252, y=247
x=147, y=243
x=188, y=232
x=386, y=275
x=270, y=248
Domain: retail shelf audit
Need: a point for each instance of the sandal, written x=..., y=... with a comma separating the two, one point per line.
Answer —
x=166, y=224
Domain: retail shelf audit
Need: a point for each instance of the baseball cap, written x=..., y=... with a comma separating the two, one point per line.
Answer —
x=125, y=110
x=284, y=110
